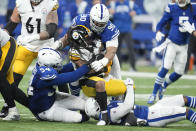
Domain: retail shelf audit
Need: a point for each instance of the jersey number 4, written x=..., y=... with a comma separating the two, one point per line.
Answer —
x=30, y=27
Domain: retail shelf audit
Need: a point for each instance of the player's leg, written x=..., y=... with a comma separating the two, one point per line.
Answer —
x=6, y=79
x=160, y=116
x=191, y=115
x=177, y=100
x=23, y=59
x=179, y=66
x=131, y=54
x=57, y=113
x=190, y=101
x=168, y=58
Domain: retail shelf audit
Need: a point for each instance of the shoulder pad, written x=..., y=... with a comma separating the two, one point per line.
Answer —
x=74, y=55
x=47, y=73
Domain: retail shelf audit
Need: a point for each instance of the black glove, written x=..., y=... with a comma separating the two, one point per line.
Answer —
x=0, y=53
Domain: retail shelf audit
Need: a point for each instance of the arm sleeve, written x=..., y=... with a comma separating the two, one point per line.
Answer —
x=66, y=77
x=67, y=68
x=164, y=20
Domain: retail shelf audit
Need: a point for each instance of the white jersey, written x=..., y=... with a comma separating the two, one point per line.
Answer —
x=33, y=19
x=4, y=37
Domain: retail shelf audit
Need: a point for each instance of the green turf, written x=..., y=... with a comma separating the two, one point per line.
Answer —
x=143, y=86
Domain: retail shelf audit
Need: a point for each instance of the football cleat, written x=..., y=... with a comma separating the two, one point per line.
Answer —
x=104, y=120
x=152, y=99
x=13, y=115
x=4, y=111
x=161, y=92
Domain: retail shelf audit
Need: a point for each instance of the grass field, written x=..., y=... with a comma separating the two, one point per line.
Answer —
x=144, y=87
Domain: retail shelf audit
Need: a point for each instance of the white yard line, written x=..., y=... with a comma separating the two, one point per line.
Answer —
x=140, y=74
x=152, y=75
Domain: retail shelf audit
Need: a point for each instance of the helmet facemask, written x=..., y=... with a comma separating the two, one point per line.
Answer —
x=36, y=2
x=99, y=17
x=183, y=3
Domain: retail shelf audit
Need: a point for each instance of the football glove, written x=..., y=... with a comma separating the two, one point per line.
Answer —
x=98, y=65
x=57, y=45
x=188, y=27
x=159, y=36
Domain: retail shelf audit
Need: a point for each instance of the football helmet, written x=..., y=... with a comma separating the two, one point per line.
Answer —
x=50, y=58
x=79, y=35
x=99, y=17
x=182, y=3
x=92, y=108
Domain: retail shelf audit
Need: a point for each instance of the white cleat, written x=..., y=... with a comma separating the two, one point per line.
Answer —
x=101, y=123
x=13, y=115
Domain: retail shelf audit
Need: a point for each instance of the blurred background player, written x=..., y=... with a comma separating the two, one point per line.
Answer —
x=122, y=12
x=176, y=43
x=7, y=56
x=39, y=23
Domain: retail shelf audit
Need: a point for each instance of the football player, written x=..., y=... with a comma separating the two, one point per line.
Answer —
x=44, y=102
x=98, y=22
x=39, y=23
x=165, y=111
x=7, y=56
x=94, y=84
x=175, y=45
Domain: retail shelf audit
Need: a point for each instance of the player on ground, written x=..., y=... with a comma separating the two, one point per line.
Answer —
x=39, y=23
x=44, y=102
x=165, y=111
x=176, y=44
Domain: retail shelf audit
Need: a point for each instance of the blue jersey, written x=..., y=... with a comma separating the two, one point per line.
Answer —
x=121, y=17
x=110, y=32
x=139, y=111
x=41, y=90
x=176, y=15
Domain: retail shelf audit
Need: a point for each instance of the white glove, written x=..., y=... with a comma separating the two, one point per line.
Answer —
x=188, y=27
x=159, y=36
x=57, y=45
x=98, y=65
x=23, y=40
x=161, y=47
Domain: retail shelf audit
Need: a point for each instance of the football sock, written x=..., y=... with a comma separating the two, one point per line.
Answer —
x=101, y=98
x=172, y=78
x=191, y=102
x=191, y=116
x=159, y=80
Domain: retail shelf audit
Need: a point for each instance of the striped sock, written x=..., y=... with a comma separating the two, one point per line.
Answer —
x=191, y=102
x=191, y=116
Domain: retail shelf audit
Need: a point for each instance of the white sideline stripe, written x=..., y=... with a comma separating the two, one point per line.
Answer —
x=152, y=75
x=173, y=87
x=141, y=74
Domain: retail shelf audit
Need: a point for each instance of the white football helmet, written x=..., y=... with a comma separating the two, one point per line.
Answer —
x=92, y=108
x=182, y=3
x=99, y=17
x=50, y=58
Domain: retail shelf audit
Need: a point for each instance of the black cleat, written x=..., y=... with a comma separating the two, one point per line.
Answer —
x=4, y=112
